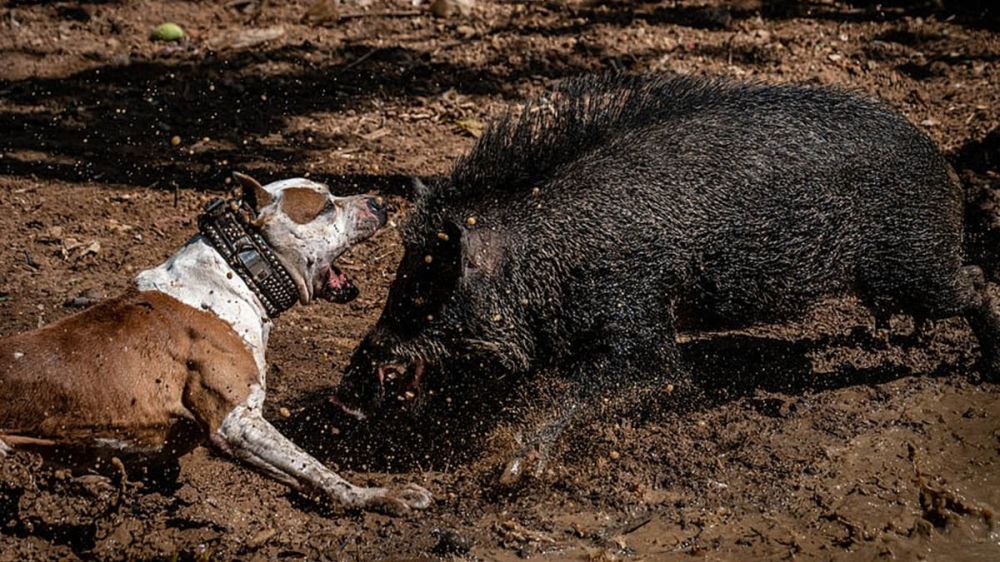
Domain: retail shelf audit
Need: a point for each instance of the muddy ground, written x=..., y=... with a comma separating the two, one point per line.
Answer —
x=823, y=440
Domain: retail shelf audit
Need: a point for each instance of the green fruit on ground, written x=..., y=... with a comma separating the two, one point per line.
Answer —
x=168, y=32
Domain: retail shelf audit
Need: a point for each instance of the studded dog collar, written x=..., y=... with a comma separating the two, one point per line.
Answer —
x=246, y=251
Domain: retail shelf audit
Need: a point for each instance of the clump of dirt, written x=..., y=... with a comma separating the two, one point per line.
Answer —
x=826, y=439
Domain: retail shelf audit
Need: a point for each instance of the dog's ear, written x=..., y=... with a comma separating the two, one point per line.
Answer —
x=253, y=192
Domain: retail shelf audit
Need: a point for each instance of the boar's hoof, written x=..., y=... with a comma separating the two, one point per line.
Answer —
x=989, y=366
x=527, y=464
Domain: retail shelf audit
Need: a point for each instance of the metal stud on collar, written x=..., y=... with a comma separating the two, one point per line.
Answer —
x=246, y=251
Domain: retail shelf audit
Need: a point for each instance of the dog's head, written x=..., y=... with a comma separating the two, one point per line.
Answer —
x=308, y=228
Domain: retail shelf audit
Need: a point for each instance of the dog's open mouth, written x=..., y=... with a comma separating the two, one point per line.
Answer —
x=338, y=287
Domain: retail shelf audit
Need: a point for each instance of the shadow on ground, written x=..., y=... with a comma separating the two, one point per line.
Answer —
x=114, y=123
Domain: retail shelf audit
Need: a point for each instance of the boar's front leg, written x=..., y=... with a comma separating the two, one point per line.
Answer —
x=623, y=362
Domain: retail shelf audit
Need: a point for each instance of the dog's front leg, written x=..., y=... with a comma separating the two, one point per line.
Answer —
x=246, y=435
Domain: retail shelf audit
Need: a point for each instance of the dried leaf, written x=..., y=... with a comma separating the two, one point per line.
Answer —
x=472, y=126
x=251, y=37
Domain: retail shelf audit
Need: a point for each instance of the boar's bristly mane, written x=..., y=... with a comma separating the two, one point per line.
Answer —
x=523, y=148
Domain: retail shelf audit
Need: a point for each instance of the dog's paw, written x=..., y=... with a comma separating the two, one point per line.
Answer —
x=415, y=497
x=397, y=501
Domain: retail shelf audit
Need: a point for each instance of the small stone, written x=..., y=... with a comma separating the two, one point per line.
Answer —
x=175, y=140
x=614, y=455
x=761, y=36
x=450, y=8
x=322, y=10
x=284, y=412
x=84, y=299
x=471, y=221
x=450, y=542
x=443, y=236
x=260, y=538
x=428, y=259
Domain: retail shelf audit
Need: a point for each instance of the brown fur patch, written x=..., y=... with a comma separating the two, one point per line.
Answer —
x=302, y=204
x=140, y=369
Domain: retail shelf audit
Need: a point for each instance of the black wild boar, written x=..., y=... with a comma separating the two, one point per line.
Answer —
x=579, y=232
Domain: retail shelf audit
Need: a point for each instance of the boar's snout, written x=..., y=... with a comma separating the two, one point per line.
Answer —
x=376, y=377
x=360, y=392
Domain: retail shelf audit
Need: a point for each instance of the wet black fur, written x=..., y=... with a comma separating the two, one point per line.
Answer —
x=618, y=208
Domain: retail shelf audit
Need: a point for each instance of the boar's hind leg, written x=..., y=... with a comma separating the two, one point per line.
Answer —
x=617, y=370
x=967, y=294
x=982, y=311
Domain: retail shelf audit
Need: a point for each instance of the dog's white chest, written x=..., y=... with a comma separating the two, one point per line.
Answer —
x=198, y=276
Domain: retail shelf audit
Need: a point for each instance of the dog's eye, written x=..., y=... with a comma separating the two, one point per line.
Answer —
x=328, y=207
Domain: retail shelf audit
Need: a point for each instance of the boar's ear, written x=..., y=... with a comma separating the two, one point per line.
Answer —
x=253, y=193
x=420, y=189
x=482, y=251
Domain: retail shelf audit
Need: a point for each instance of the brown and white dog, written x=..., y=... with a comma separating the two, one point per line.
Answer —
x=180, y=359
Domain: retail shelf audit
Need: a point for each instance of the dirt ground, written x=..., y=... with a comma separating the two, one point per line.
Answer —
x=823, y=440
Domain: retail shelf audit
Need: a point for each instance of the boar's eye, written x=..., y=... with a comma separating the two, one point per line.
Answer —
x=427, y=277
